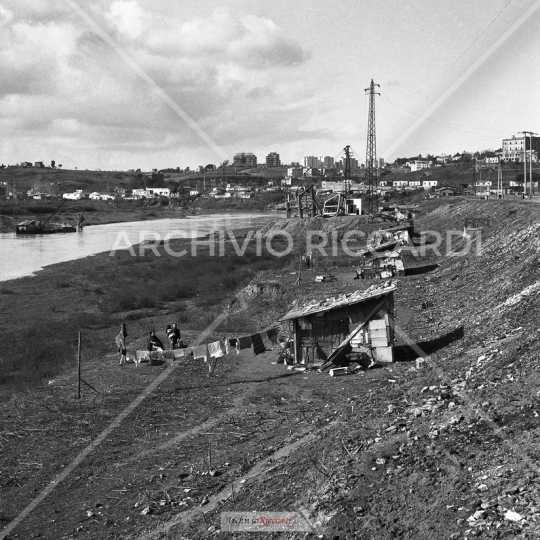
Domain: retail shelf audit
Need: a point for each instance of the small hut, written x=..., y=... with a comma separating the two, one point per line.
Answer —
x=350, y=324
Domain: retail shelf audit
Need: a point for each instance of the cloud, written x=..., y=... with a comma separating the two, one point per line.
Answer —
x=128, y=17
x=62, y=84
x=263, y=44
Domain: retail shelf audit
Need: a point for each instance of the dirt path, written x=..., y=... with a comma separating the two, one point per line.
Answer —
x=132, y=460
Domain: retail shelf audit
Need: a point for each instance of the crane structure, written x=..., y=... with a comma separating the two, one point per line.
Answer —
x=371, y=153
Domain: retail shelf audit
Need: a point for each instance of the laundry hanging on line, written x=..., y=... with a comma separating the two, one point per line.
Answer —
x=215, y=349
x=243, y=343
x=272, y=335
x=258, y=345
x=201, y=351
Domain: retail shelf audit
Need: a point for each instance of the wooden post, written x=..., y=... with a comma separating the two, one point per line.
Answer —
x=299, y=278
x=79, y=367
x=297, y=342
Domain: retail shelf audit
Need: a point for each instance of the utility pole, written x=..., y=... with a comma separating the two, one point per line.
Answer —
x=499, y=182
x=525, y=133
x=474, y=175
x=371, y=152
x=347, y=171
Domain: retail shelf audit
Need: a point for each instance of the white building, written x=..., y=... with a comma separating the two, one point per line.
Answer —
x=76, y=195
x=419, y=164
x=428, y=184
x=400, y=183
x=514, y=149
x=149, y=193
x=160, y=192
x=336, y=187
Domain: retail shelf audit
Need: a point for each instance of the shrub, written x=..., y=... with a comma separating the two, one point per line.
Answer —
x=146, y=302
x=5, y=290
x=43, y=353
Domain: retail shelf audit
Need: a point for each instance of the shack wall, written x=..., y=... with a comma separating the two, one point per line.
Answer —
x=318, y=335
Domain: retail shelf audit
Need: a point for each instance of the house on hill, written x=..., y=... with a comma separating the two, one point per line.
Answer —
x=354, y=324
x=445, y=192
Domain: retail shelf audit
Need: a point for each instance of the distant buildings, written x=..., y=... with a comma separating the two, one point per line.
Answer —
x=77, y=195
x=295, y=172
x=419, y=164
x=354, y=163
x=336, y=187
x=245, y=159
x=149, y=193
x=445, y=192
x=518, y=148
x=272, y=160
x=312, y=162
x=328, y=162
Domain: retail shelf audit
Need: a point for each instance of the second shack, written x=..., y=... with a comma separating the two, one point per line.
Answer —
x=357, y=322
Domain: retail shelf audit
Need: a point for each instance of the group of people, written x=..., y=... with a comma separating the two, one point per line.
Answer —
x=154, y=343
x=173, y=335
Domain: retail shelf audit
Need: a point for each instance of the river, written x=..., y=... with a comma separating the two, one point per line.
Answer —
x=24, y=255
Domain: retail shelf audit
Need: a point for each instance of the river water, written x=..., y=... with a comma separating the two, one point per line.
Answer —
x=24, y=255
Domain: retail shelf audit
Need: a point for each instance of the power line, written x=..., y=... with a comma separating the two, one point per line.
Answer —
x=451, y=65
x=442, y=122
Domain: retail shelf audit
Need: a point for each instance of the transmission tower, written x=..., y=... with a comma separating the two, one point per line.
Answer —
x=371, y=152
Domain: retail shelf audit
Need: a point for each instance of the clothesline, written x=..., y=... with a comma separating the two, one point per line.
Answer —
x=222, y=347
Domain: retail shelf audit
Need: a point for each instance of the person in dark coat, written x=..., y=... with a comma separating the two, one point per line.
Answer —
x=154, y=343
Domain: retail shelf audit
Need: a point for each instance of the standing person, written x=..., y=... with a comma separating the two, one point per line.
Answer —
x=154, y=343
x=121, y=343
x=173, y=333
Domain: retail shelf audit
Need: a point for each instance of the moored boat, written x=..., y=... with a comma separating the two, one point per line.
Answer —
x=36, y=226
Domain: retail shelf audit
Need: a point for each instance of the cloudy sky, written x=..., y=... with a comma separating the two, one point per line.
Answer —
x=164, y=83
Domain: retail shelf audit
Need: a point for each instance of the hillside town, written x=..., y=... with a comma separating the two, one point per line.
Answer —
x=505, y=171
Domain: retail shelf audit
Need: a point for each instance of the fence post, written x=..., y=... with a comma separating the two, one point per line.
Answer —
x=79, y=367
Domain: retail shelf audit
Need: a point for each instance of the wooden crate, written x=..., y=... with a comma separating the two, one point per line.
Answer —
x=384, y=354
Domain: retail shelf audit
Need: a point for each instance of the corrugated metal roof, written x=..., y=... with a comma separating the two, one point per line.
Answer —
x=343, y=300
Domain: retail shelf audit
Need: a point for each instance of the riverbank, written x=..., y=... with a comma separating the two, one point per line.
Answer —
x=102, y=212
x=41, y=314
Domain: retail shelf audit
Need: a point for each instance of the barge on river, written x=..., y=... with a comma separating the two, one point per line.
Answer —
x=36, y=226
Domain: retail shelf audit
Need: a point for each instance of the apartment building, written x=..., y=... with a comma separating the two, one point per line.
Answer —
x=519, y=148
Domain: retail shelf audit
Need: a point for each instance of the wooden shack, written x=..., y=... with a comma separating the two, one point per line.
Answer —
x=349, y=324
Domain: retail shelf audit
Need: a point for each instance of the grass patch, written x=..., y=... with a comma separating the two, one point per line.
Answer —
x=5, y=290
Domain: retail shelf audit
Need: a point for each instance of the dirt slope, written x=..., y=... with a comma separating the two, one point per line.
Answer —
x=449, y=450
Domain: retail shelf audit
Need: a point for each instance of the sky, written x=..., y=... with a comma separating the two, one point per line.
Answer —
x=127, y=84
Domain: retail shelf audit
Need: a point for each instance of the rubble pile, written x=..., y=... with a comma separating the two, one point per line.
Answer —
x=455, y=454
